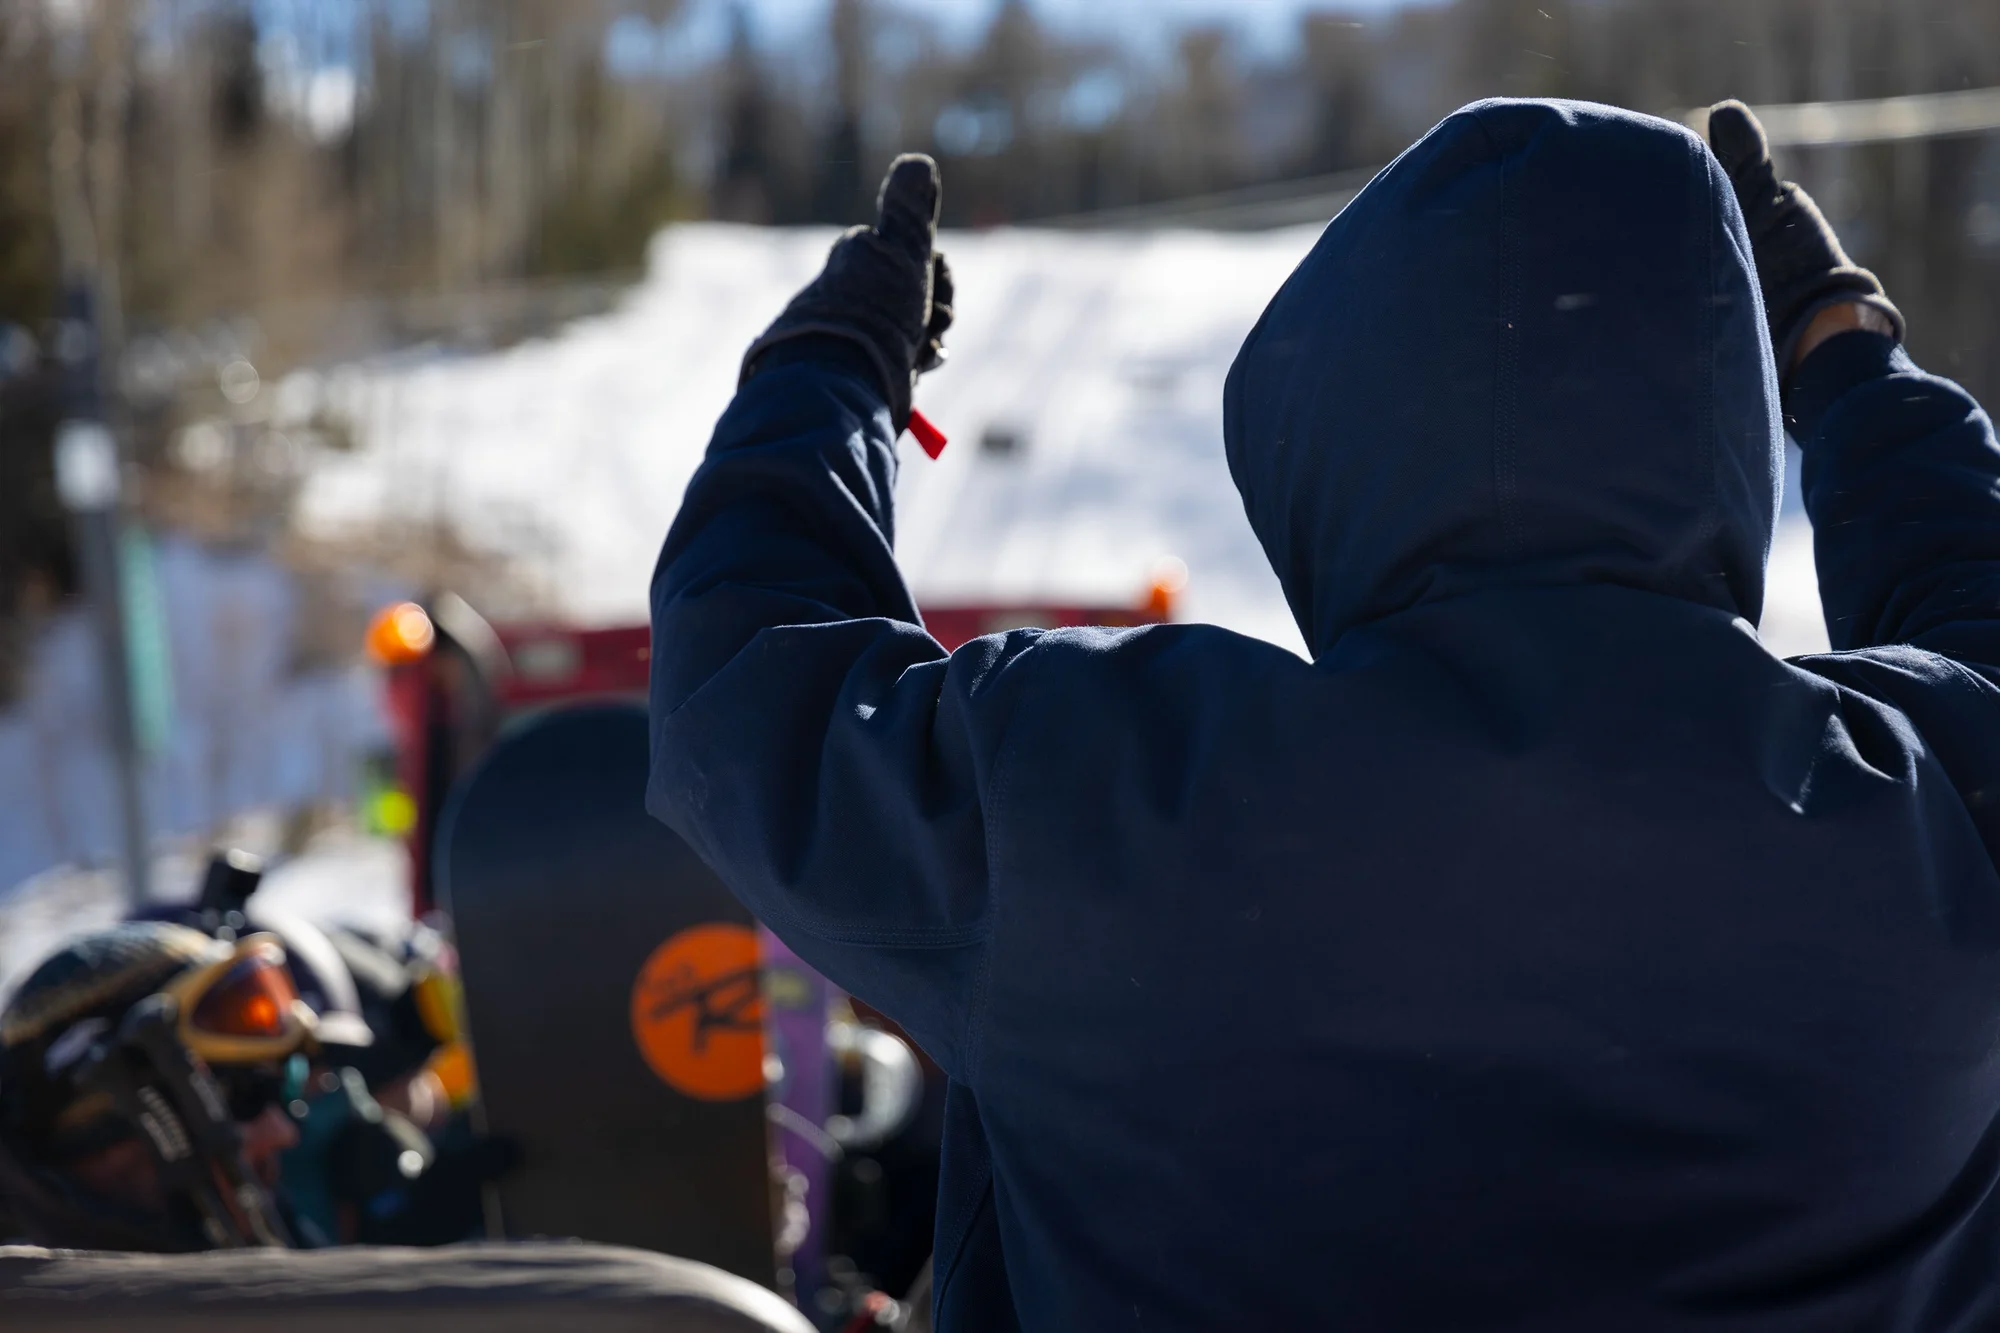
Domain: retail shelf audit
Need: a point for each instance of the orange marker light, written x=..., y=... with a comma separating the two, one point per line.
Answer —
x=452, y=1067
x=400, y=634
x=1170, y=576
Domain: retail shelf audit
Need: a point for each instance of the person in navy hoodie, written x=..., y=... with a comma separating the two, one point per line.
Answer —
x=1544, y=953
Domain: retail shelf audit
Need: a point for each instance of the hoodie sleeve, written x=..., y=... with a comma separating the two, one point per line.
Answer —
x=1902, y=483
x=818, y=749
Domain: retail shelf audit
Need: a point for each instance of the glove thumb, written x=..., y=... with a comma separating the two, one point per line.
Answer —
x=907, y=209
x=1737, y=138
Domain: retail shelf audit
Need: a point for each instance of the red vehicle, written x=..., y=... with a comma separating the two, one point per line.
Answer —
x=454, y=680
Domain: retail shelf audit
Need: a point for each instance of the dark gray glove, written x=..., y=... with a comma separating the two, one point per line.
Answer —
x=884, y=288
x=1800, y=263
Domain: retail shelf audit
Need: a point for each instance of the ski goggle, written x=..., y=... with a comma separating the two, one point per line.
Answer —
x=243, y=1008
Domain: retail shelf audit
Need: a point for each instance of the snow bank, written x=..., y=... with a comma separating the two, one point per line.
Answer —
x=1103, y=354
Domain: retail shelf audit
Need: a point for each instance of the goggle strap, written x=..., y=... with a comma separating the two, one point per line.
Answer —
x=178, y=1140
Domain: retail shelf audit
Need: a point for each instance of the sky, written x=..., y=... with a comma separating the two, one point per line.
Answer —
x=1268, y=24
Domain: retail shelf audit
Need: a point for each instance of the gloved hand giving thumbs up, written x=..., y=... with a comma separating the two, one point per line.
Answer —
x=884, y=287
x=1800, y=264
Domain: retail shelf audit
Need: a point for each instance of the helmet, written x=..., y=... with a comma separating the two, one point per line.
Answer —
x=407, y=981
x=69, y=1002
x=117, y=1039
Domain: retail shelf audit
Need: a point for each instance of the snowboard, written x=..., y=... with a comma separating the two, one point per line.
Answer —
x=612, y=999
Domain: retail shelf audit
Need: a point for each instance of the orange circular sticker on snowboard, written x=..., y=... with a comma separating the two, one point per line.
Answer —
x=698, y=1013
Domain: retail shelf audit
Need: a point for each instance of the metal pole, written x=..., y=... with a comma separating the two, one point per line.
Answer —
x=88, y=481
x=87, y=460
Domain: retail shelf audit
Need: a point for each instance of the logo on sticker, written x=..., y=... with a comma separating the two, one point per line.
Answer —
x=698, y=1013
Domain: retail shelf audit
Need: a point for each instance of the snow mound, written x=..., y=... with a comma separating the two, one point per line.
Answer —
x=1098, y=357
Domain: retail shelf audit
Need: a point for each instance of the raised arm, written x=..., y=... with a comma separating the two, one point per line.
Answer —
x=1902, y=473
x=819, y=750
x=1902, y=482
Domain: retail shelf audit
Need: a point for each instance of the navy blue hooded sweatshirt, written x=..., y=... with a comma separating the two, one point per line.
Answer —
x=1545, y=953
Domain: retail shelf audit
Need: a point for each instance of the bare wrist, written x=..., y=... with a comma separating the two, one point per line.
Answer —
x=1835, y=319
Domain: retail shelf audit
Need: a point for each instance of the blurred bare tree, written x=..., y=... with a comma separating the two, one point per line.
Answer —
x=366, y=147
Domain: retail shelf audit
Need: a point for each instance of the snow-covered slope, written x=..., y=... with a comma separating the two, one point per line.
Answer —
x=1103, y=354
x=343, y=877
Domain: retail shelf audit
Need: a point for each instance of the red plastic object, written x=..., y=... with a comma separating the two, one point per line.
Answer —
x=557, y=664
x=929, y=438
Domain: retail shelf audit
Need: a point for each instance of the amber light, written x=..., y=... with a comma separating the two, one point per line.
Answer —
x=441, y=1005
x=452, y=1067
x=1170, y=576
x=400, y=634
